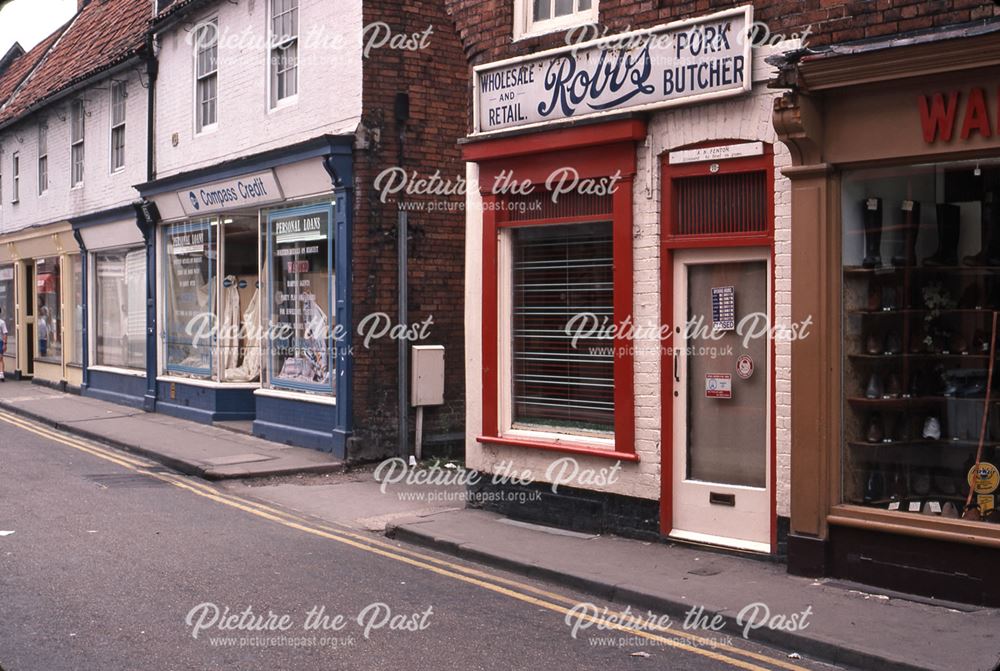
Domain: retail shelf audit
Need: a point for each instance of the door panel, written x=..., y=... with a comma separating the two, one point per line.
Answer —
x=722, y=408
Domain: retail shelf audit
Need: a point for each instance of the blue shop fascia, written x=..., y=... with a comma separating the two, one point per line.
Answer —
x=247, y=281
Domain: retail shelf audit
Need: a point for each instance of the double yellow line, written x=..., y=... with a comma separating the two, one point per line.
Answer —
x=678, y=639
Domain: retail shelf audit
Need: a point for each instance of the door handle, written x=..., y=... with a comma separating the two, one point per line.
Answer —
x=677, y=374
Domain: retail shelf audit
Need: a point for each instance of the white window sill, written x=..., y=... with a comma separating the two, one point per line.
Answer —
x=283, y=104
x=211, y=384
x=555, y=436
x=119, y=371
x=207, y=130
x=296, y=396
x=559, y=25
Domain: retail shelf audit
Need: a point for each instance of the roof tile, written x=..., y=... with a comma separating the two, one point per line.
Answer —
x=103, y=34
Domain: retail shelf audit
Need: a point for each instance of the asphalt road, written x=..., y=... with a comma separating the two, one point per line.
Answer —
x=129, y=566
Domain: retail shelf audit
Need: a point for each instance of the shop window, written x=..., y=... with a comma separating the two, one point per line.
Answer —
x=48, y=315
x=8, y=301
x=118, y=95
x=560, y=272
x=189, y=288
x=206, y=74
x=284, y=48
x=76, y=278
x=921, y=251
x=239, y=330
x=299, y=315
x=120, y=308
x=43, y=158
x=77, y=122
x=540, y=16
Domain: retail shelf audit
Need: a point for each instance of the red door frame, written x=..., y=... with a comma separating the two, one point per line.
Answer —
x=597, y=150
x=670, y=243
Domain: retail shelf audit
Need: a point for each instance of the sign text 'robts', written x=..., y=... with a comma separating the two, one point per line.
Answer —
x=680, y=62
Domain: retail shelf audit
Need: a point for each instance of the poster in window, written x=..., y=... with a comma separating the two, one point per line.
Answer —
x=300, y=248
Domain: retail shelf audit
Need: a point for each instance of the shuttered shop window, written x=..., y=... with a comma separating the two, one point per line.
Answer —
x=560, y=272
x=721, y=204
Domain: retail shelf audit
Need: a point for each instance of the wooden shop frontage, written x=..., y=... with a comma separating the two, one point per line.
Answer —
x=896, y=242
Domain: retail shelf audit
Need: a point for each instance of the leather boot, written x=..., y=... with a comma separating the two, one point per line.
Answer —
x=872, y=209
x=948, y=225
x=989, y=255
x=911, y=227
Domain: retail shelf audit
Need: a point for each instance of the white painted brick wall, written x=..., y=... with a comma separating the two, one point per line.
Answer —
x=329, y=95
x=744, y=118
x=101, y=189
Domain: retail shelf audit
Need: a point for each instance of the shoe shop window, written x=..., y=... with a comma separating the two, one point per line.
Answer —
x=921, y=284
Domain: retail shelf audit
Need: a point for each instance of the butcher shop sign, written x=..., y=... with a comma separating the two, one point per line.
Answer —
x=673, y=64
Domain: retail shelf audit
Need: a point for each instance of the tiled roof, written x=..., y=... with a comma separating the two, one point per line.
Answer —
x=103, y=34
x=22, y=66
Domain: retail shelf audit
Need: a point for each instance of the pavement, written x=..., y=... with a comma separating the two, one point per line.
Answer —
x=209, y=452
x=825, y=619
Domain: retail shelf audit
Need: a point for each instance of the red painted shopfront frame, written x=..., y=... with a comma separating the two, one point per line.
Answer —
x=671, y=242
x=599, y=150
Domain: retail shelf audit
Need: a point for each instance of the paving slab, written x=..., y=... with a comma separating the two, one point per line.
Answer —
x=197, y=449
x=847, y=624
x=356, y=499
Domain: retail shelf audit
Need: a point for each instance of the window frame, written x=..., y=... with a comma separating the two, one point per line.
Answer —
x=119, y=127
x=200, y=126
x=78, y=114
x=274, y=47
x=526, y=26
x=267, y=309
x=95, y=313
x=595, y=151
x=42, y=174
x=15, y=170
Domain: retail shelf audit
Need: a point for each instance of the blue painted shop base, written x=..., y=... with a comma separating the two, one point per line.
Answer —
x=298, y=423
x=204, y=404
x=125, y=390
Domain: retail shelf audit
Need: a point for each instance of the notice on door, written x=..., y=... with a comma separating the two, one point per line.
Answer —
x=723, y=308
x=718, y=385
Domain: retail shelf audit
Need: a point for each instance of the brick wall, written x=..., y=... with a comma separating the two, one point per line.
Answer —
x=485, y=26
x=101, y=189
x=435, y=79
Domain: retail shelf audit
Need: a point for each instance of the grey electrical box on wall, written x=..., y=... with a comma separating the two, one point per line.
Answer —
x=427, y=375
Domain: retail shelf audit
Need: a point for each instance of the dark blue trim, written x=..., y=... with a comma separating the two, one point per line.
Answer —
x=148, y=230
x=116, y=388
x=205, y=404
x=324, y=145
x=295, y=422
x=344, y=213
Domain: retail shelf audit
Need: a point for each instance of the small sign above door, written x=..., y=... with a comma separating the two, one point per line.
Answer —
x=722, y=153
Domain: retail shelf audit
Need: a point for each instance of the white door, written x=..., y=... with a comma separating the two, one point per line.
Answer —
x=722, y=398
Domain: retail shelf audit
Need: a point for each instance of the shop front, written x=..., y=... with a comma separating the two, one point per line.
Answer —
x=896, y=440
x=625, y=274
x=113, y=312
x=41, y=288
x=253, y=280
